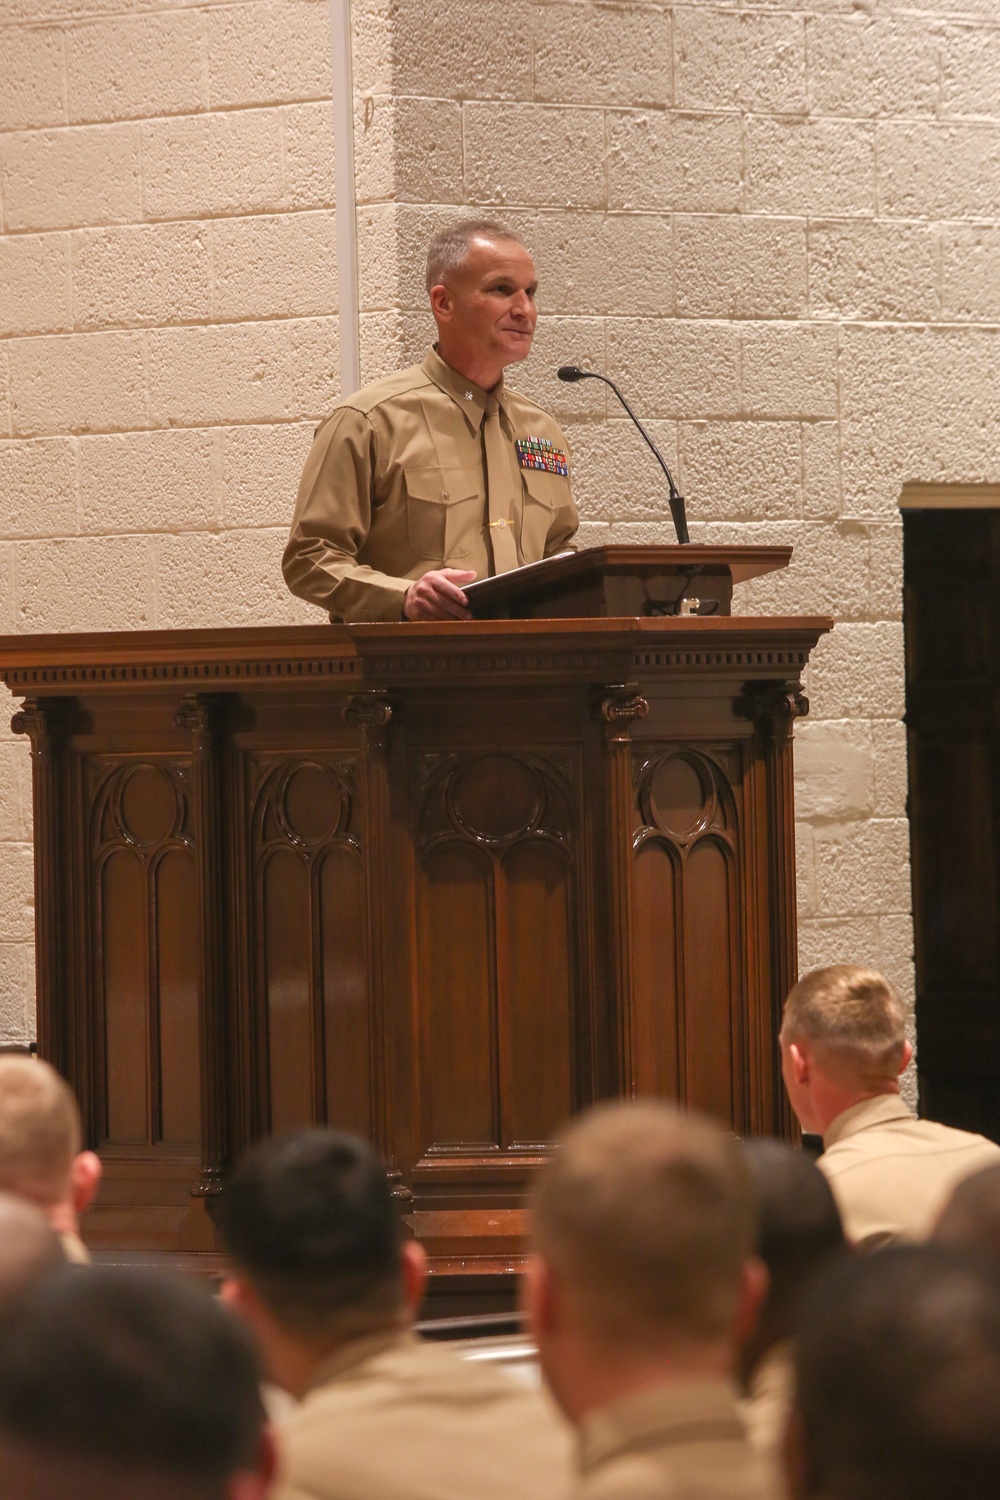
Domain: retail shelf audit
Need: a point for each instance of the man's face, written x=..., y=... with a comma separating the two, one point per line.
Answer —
x=488, y=310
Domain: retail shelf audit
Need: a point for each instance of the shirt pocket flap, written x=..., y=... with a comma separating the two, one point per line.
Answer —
x=550, y=490
x=439, y=486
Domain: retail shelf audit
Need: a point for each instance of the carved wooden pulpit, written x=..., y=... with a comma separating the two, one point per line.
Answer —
x=441, y=884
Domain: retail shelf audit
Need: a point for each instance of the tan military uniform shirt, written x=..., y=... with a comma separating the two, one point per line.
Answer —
x=395, y=486
x=682, y=1440
x=392, y=1418
x=891, y=1173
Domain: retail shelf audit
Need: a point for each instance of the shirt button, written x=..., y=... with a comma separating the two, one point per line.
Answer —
x=445, y=495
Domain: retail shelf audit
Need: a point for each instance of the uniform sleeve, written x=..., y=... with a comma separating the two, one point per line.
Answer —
x=331, y=522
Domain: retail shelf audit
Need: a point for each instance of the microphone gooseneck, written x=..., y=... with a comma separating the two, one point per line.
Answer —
x=676, y=499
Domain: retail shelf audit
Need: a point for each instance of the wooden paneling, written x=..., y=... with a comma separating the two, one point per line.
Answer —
x=443, y=885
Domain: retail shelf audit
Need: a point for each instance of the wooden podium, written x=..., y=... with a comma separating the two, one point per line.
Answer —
x=441, y=884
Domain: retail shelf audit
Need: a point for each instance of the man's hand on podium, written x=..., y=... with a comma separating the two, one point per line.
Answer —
x=438, y=596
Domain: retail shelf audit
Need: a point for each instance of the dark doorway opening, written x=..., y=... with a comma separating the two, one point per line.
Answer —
x=951, y=612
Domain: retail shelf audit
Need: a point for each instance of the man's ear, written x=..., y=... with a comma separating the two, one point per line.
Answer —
x=907, y=1056
x=441, y=304
x=85, y=1178
x=241, y=1297
x=413, y=1270
x=800, y=1063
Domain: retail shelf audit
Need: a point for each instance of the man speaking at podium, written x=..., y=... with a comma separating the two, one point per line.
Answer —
x=430, y=478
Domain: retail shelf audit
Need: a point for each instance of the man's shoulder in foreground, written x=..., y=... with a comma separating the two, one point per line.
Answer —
x=412, y=1421
x=685, y=1441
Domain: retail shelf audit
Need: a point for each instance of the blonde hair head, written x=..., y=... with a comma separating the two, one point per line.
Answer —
x=647, y=1215
x=39, y=1130
x=851, y=1012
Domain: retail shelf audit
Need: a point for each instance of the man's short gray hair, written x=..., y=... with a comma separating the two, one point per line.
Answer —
x=450, y=246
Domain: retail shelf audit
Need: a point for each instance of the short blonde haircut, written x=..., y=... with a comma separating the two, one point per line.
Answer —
x=39, y=1130
x=647, y=1215
x=852, y=1012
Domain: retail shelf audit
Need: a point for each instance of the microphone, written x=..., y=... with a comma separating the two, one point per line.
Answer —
x=572, y=373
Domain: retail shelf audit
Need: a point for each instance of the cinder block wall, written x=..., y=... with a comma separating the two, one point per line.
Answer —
x=776, y=225
x=168, y=316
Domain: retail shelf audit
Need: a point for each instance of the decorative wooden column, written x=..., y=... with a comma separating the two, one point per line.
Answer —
x=203, y=715
x=621, y=706
x=372, y=712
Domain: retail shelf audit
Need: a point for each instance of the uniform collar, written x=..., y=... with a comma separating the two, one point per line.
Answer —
x=663, y=1415
x=470, y=398
x=356, y=1352
x=878, y=1110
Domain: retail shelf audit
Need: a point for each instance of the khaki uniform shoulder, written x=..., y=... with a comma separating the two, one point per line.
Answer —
x=372, y=396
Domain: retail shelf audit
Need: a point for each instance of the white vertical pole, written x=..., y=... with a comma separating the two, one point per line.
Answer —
x=346, y=203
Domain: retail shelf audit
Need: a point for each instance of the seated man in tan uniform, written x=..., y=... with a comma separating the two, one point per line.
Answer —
x=40, y=1140
x=843, y=1047
x=440, y=474
x=641, y=1285
x=322, y=1277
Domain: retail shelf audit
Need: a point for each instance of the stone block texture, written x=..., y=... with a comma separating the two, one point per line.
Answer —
x=776, y=225
x=168, y=334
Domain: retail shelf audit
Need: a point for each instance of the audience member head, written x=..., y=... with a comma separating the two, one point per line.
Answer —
x=643, y=1269
x=798, y=1232
x=970, y=1220
x=125, y=1385
x=29, y=1247
x=843, y=1040
x=310, y=1226
x=40, y=1140
x=898, y=1381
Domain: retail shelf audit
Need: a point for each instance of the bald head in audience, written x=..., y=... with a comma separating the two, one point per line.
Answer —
x=898, y=1381
x=125, y=1385
x=40, y=1146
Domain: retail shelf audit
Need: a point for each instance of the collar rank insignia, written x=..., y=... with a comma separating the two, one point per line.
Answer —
x=540, y=453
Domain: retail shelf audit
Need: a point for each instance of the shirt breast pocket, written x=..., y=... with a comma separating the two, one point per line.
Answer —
x=545, y=495
x=444, y=512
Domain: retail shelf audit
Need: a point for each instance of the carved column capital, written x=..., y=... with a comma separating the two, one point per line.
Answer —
x=372, y=711
x=40, y=719
x=774, y=705
x=620, y=709
x=201, y=714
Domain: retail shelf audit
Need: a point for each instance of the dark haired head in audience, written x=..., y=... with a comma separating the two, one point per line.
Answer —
x=125, y=1385
x=970, y=1220
x=309, y=1223
x=898, y=1381
x=798, y=1230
